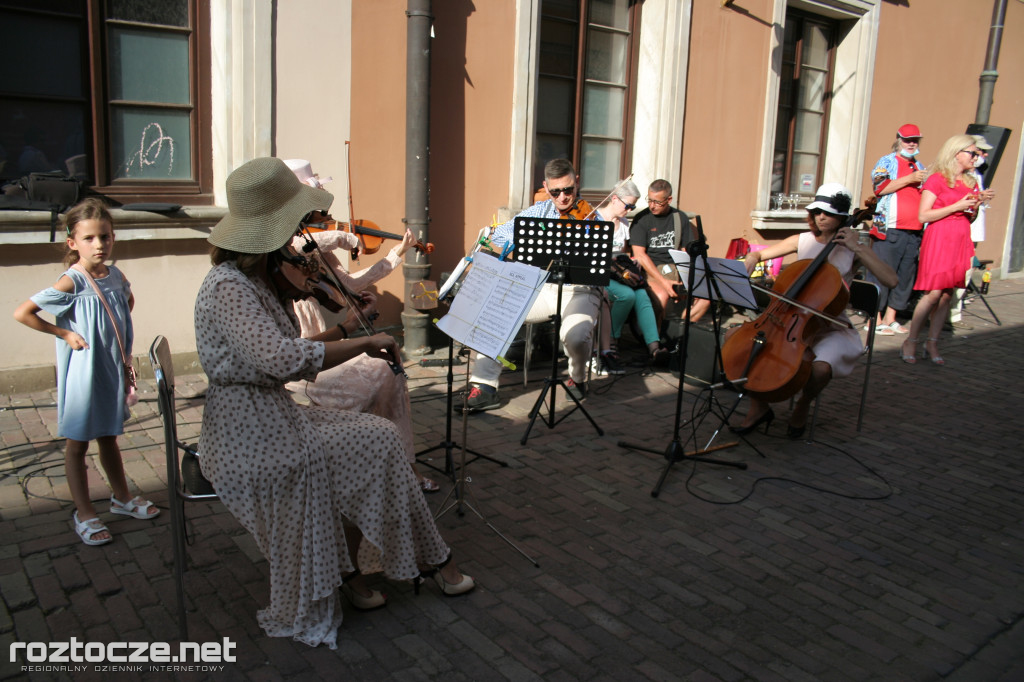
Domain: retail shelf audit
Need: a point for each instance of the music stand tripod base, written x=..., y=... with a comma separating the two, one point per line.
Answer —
x=457, y=495
x=448, y=445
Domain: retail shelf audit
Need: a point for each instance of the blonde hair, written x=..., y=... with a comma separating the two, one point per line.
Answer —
x=91, y=208
x=947, y=166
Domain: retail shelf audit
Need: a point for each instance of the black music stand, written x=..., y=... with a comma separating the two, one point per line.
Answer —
x=675, y=451
x=457, y=497
x=575, y=252
x=448, y=444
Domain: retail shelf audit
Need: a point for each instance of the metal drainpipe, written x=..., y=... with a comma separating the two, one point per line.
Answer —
x=417, y=164
x=989, y=73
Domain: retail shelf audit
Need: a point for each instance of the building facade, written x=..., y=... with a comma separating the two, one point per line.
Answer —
x=736, y=102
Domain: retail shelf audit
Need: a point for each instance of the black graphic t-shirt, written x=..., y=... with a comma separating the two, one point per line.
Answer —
x=656, y=233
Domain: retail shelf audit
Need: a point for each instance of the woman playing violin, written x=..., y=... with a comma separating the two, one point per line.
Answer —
x=314, y=486
x=835, y=350
x=364, y=383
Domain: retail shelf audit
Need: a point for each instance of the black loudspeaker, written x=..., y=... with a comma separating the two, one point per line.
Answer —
x=700, y=358
x=995, y=136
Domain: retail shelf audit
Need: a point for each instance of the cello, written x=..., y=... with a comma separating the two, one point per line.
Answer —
x=771, y=351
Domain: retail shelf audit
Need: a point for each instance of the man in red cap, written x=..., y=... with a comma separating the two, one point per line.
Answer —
x=897, y=179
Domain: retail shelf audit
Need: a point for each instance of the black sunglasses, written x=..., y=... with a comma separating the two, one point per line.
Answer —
x=629, y=207
x=571, y=189
x=974, y=155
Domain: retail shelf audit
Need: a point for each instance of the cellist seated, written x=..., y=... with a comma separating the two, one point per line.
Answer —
x=834, y=350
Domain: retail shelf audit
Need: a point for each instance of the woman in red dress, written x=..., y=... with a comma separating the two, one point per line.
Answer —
x=948, y=203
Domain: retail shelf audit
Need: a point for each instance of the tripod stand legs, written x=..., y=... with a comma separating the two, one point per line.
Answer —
x=973, y=289
x=550, y=384
x=448, y=444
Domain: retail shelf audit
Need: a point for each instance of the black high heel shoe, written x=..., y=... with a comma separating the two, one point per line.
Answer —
x=448, y=589
x=765, y=418
x=795, y=432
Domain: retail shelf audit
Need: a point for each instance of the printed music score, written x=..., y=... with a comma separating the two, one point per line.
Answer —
x=492, y=304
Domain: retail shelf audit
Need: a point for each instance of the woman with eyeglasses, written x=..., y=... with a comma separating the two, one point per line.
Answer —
x=949, y=202
x=623, y=297
x=835, y=350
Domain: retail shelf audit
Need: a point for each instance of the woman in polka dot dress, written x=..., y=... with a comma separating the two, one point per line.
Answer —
x=314, y=486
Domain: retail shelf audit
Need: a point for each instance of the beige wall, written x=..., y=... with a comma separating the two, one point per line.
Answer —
x=312, y=88
x=471, y=86
x=724, y=111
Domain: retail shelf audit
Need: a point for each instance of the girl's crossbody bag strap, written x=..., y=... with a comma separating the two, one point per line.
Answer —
x=106, y=306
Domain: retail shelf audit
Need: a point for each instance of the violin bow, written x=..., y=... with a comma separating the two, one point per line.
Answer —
x=353, y=301
x=608, y=196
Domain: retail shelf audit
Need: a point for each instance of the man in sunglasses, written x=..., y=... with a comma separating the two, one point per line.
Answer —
x=580, y=304
x=896, y=231
x=654, y=231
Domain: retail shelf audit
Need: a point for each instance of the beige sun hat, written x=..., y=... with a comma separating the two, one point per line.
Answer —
x=265, y=204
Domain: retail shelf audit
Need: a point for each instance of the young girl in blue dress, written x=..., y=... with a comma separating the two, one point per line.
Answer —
x=90, y=369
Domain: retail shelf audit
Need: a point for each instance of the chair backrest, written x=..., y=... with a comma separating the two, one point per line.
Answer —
x=864, y=297
x=163, y=370
x=183, y=476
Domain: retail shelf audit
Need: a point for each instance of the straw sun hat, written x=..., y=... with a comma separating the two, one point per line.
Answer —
x=265, y=204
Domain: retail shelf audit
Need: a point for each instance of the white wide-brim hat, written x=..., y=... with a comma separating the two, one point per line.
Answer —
x=832, y=198
x=265, y=204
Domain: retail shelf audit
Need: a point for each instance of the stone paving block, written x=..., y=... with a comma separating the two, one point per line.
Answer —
x=16, y=590
x=30, y=626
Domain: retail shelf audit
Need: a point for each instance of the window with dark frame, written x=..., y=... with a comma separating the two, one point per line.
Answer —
x=119, y=97
x=585, y=92
x=805, y=89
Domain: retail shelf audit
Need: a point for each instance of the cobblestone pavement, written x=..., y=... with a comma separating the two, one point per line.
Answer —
x=893, y=553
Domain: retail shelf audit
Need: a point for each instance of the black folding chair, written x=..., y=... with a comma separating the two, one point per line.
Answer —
x=184, y=480
x=864, y=299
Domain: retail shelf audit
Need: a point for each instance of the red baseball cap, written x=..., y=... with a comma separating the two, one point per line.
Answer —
x=909, y=131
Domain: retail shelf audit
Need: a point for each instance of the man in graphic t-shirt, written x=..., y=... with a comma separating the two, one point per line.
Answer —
x=654, y=231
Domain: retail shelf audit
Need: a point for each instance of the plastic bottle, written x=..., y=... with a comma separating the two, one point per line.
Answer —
x=986, y=277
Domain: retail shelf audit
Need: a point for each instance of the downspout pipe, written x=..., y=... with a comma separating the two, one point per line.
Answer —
x=989, y=74
x=417, y=165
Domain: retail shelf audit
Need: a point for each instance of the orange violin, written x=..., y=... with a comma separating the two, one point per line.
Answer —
x=581, y=210
x=370, y=236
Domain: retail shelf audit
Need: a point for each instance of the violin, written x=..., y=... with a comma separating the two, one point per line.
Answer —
x=370, y=236
x=303, y=276
x=771, y=350
x=581, y=210
x=299, y=277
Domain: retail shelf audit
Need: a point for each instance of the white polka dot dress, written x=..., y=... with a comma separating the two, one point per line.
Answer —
x=293, y=475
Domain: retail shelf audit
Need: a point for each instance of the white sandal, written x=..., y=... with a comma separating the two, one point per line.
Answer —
x=136, y=508
x=88, y=528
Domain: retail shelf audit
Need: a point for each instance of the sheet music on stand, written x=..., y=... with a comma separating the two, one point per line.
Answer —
x=731, y=276
x=492, y=304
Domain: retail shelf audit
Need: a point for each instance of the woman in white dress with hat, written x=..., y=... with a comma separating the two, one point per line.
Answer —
x=835, y=350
